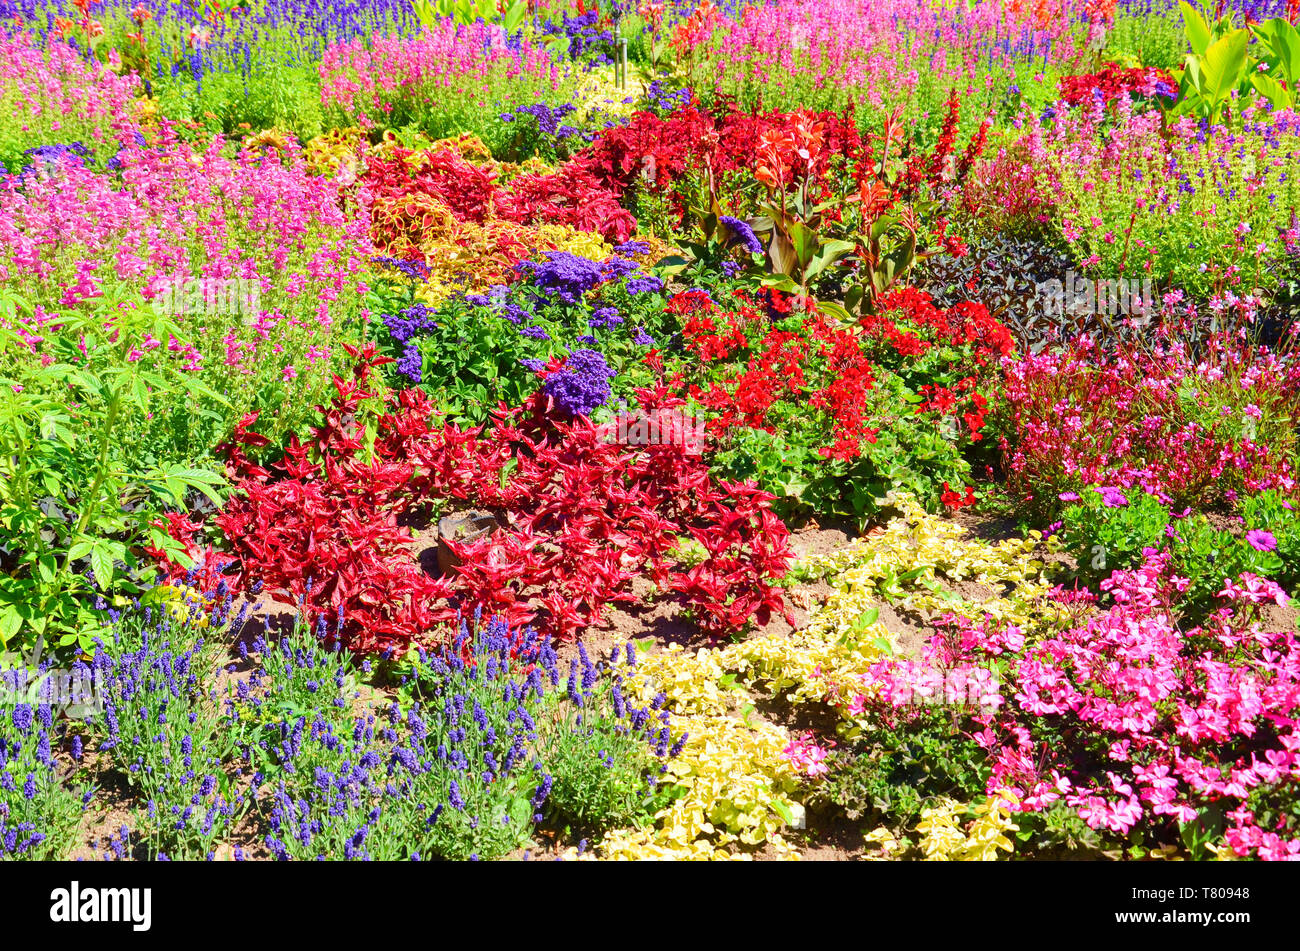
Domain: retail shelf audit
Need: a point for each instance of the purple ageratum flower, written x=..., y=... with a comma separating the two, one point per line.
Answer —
x=408, y=323
x=537, y=366
x=616, y=268
x=604, y=317
x=632, y=247
x=581, y=384
x=645, y=285
x=534, y=333
x=742, y=234
x=642, y=339
x=1261, y=540
x=563, y=275
x=411, y=363
x=1111, y=497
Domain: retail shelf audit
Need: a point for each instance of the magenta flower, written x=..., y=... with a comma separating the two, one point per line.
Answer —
x=1111, y=497
x=1261, y=540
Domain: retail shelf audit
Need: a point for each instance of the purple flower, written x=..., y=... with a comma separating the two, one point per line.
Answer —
x=1068, y=496
x=581, y=384
x=604, y=317
x=741, y=234
x=644, y=285
x=410, y=363
x=1261, y=540
x=564, y=275
x=408, y=323
x=1111, y=497
x=616, y=268
x=22, y=717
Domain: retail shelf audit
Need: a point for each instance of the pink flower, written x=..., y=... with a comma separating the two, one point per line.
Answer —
x=806, y=756
x=1261, y=540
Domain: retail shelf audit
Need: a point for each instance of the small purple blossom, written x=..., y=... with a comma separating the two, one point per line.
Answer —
x=581, y=384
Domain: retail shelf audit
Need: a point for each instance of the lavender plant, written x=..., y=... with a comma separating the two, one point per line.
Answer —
x=163, y=729
x=450, y=776
x=41, y=801
x=467, y=748
x=605, y=753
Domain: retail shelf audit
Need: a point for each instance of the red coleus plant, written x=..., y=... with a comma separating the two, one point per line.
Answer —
x=408, y=189
x=581, y=517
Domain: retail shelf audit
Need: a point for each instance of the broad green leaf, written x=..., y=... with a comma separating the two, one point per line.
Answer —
x=101, y=563
x=1195, y=27
x=1225, y=65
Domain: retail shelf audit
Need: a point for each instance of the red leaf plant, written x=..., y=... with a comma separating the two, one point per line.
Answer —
x=581, y=516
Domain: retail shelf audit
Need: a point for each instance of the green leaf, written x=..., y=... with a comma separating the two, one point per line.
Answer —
x=1195, y=27
x=832, y=309
x=11, y=622
x=1225, y=65
x=804, y=241
x=101, y=563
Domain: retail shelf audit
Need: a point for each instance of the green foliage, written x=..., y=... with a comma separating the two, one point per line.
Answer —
x=76, y=503
x=894, y=772
x=1222, y=60
x=1146, y=39
x=231, y=103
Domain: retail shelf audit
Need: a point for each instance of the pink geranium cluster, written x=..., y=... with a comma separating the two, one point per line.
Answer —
x=807, y=756
x=365, y=77
x=1193, y=430
x=1131, y=719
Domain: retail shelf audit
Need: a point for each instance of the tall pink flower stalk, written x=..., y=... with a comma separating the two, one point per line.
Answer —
x=73, y=238
x=876, y=52
x=366, y=78
x=54, y=95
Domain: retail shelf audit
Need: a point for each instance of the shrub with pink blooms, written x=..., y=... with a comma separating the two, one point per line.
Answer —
x=1194, y=428
x=260, y=262
x=1150, y=730
x=52, y=96
x=450, y=79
